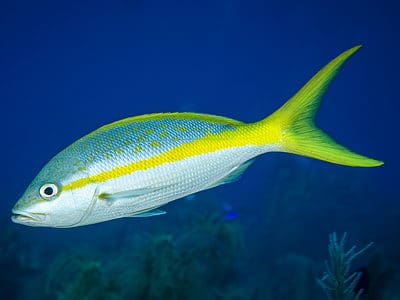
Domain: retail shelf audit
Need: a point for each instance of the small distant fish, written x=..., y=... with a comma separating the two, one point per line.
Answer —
x=231, y=215
x=133, y=166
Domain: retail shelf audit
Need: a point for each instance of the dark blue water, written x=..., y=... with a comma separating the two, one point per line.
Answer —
x=68, y=67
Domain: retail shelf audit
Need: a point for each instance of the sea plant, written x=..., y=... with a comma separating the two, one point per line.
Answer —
x=338, y=282
x=79, y=275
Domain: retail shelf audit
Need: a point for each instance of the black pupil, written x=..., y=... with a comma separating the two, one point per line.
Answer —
x=48, y=191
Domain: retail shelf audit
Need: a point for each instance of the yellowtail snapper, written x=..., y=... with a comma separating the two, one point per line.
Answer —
x=131, y=167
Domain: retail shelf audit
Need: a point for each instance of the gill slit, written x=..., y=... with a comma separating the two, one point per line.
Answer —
x=90, y=207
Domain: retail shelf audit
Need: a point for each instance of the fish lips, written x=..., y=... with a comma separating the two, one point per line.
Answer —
x=24, y=217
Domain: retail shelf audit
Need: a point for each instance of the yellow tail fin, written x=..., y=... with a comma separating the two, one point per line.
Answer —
x=295, y=121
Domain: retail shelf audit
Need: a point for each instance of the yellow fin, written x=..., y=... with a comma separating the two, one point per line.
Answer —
x=295, y=121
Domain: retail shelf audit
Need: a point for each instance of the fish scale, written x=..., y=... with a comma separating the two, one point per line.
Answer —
x=110, y=145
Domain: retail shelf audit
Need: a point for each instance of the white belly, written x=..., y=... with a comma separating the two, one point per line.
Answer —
x=171, y=181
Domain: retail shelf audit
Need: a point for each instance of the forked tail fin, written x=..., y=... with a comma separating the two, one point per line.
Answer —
x=295, y=121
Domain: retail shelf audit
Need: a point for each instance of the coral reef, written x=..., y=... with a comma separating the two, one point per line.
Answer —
x=338, y=282
x=198, y=264
x=79, y=276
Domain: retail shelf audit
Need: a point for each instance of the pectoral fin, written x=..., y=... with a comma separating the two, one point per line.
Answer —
x=128, y=194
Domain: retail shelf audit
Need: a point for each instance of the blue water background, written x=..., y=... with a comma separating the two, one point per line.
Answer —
x=68, y=67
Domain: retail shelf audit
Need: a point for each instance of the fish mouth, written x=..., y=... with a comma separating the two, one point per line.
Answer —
x=19, y=216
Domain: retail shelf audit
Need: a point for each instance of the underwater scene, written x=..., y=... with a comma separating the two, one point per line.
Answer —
x=270, y=203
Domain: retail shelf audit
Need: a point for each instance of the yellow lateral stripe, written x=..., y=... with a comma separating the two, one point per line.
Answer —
x=250, y=134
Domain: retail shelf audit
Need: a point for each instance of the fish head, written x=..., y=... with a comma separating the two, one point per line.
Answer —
x=46, y=203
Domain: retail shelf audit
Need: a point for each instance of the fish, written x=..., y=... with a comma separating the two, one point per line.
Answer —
x=134, y=166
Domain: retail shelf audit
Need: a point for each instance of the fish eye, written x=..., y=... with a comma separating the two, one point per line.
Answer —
x=48, y=190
